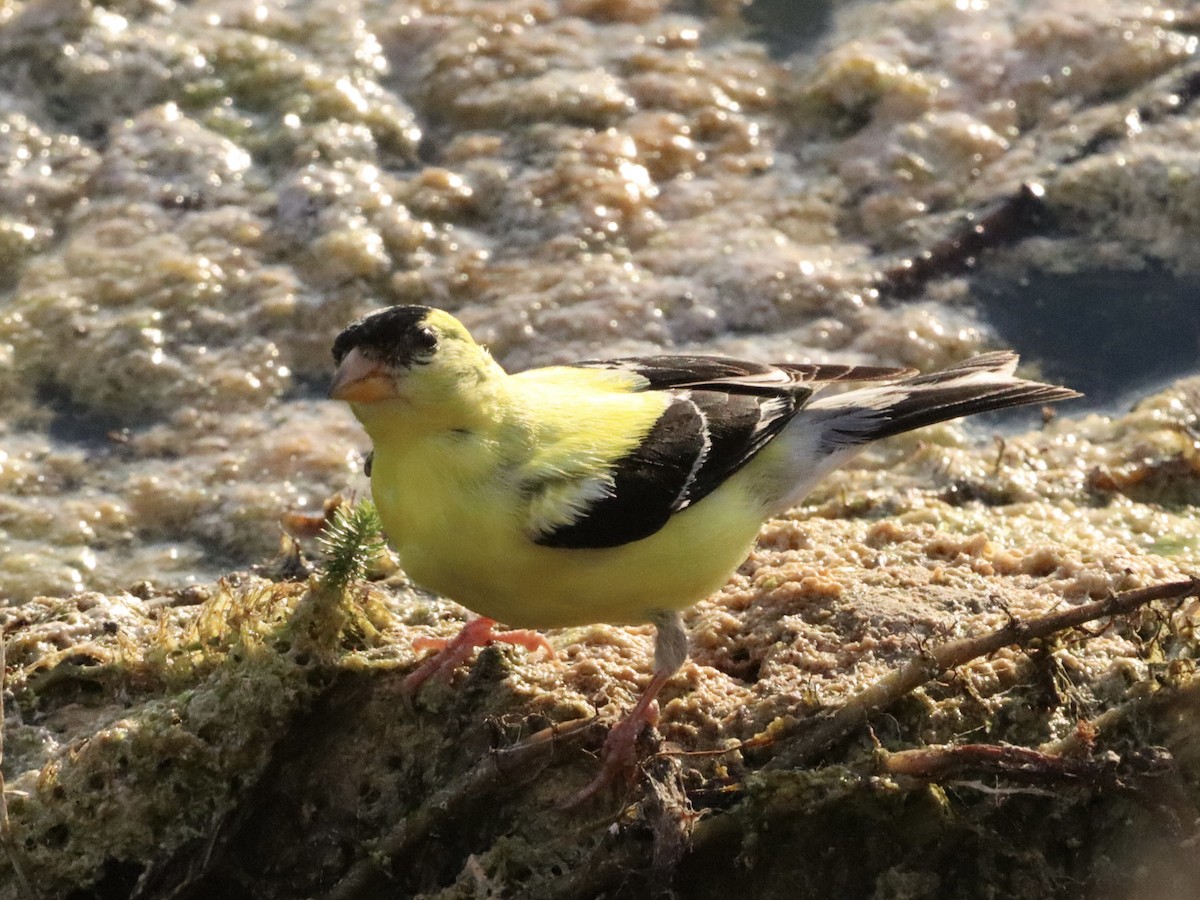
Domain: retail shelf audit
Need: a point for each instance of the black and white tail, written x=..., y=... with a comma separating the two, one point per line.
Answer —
x=830, y=430
x=980, y=384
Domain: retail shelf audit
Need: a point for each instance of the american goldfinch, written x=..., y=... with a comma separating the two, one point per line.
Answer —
x=619, y=491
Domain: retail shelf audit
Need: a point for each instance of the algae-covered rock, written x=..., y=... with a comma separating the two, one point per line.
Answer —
x=198, y=196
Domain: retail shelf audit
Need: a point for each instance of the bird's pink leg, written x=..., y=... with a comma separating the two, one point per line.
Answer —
x=619, y=753
x=478, y=632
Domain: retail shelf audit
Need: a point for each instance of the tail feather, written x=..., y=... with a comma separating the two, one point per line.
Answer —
x=980, y=384
x=998, y=363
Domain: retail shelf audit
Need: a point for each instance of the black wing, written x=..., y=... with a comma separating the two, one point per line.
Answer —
x=722, y=413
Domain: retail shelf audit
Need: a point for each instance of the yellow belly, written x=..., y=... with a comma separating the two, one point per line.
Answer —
x=470, y=545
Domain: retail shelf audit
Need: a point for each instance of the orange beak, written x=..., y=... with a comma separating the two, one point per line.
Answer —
x=358, y=380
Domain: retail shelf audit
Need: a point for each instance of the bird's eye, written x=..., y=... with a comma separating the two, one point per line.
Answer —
x=424, y=339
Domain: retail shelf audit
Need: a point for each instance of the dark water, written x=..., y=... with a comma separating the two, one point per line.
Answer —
x=788, y=26
x=1108, y=334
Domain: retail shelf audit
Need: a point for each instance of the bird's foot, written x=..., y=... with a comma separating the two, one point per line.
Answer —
x=618, y=757
x=478, y=632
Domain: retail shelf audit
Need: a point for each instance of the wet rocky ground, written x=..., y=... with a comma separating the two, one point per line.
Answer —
x=197, y=197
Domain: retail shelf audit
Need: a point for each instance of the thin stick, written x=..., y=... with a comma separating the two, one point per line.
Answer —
x=937, y=763
x=1152, y=778
x=932, y=663
x=1081, y=738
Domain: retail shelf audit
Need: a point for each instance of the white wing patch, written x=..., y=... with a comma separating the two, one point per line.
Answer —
x=562, y=501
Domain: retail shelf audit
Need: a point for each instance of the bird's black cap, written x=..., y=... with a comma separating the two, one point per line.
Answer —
x=396, y=336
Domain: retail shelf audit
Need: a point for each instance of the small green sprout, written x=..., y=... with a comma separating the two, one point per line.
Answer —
x=353, y=539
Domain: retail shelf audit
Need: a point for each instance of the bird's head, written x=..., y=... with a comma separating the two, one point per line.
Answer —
x=406, y=362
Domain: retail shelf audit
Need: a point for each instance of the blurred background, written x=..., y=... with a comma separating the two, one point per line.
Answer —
x=197, y=197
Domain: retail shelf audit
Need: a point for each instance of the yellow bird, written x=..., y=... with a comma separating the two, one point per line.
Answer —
x=618, y=491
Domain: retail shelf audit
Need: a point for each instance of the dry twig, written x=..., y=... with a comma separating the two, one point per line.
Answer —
x=934, y=662
x=940, y=763
x=1150, y=776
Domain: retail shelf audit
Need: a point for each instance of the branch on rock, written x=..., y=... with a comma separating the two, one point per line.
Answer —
x=935, y=661
x=942, y=763
x=1148, y=776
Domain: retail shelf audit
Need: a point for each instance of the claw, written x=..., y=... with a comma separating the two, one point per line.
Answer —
x=478, y=632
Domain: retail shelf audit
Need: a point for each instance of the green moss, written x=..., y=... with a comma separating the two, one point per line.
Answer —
x=144, y=745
